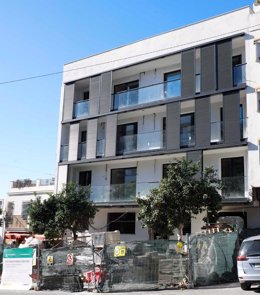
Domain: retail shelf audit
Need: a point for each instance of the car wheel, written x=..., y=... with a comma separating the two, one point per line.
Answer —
x=245, y=286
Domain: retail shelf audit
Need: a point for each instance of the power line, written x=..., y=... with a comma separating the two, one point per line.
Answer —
x=125, y=58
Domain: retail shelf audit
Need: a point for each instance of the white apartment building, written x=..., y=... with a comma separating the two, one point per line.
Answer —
x=19, y=196
x=192, y=92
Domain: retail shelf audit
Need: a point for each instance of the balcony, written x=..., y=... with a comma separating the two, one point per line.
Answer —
x=141, y=142
x=101, y=147
x=117, y=193
x=148, y=94
x=239, y=74
x=82, y=150
x=216, y=135
x=187, y=136
x=64, y=152
x=233, y=187
x=80, y=108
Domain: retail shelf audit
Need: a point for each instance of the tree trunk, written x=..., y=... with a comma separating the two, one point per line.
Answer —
x=151, y=233
x=74, y=232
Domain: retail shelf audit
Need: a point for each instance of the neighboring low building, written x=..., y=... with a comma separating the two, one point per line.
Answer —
x=192, y=92
x=16, y=204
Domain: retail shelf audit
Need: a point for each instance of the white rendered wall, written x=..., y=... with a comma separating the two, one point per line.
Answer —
x=188, y=36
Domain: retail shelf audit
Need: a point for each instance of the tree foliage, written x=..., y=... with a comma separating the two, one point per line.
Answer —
x=69, y=209
x=181, y=195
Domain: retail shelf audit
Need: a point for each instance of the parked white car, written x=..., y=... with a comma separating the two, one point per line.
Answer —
x=248, y=262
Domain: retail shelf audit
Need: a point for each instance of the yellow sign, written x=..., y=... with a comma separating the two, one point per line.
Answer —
x=179, y=247
x=49, y=260
x=120, y=251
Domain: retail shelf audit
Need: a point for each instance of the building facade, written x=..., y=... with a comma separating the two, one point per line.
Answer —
x=19, y=196
x=192, y=92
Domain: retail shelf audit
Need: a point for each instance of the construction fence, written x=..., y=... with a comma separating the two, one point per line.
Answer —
x=142, y=265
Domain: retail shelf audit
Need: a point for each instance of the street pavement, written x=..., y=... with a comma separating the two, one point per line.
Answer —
x=229, y=289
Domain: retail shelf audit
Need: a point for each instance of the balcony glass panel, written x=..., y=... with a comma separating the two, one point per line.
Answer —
x=147, y=94
x=121, y=192
x=101, y=147
x=64, y=152
x=150, y=141
x=141, y=142
x=187, y=136
x=239, y=74
x=127, y=144
x=197, y=85
x=82, y=151
x=81, y=108
x=216, y=135
x=233, y=187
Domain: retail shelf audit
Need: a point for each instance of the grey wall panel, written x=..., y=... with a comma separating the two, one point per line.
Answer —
x=111, y=133
x=224, y=58
x=202, y=122
x=208, y=68
x=188, y=73
x=173, y=125
x=94, y=94
x=196, y=156
x=105, y=93
x=231, y=117
x=92, y=138
x=73, y=142
x=68, y=101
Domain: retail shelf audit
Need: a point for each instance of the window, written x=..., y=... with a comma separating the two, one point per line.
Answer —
x=164, y=131
x=123, y=222
x=123, y=184
x=25, y=207
x=126, y=138
x=126, y=94
x=187, y=136
x=86, y=95
x=232, y=174
x=165, y=170
x=85, y=178
x=172, y=84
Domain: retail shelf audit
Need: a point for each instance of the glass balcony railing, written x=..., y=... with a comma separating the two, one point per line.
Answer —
x=121, y=192
x=141, y=142
x=197, y=83
x=239, y=74
x=80, y=108
x=243, y=128
x=101, y=147
x=216, y=135
x=64, y=152
x=187, y=136
x=82, y=150
x=147, y=94
x=233, y=187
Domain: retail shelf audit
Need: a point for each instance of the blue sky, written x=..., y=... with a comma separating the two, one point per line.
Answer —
x=38, y=37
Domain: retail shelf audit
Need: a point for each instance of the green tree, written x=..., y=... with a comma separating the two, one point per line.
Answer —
x=181, y=195
x=69, y=209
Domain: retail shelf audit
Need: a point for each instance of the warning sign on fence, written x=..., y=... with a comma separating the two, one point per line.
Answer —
x=70, y=259
x=49, y=260
x=120, y=251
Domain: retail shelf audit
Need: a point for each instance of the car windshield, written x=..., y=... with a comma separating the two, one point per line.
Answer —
x=250, y=248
